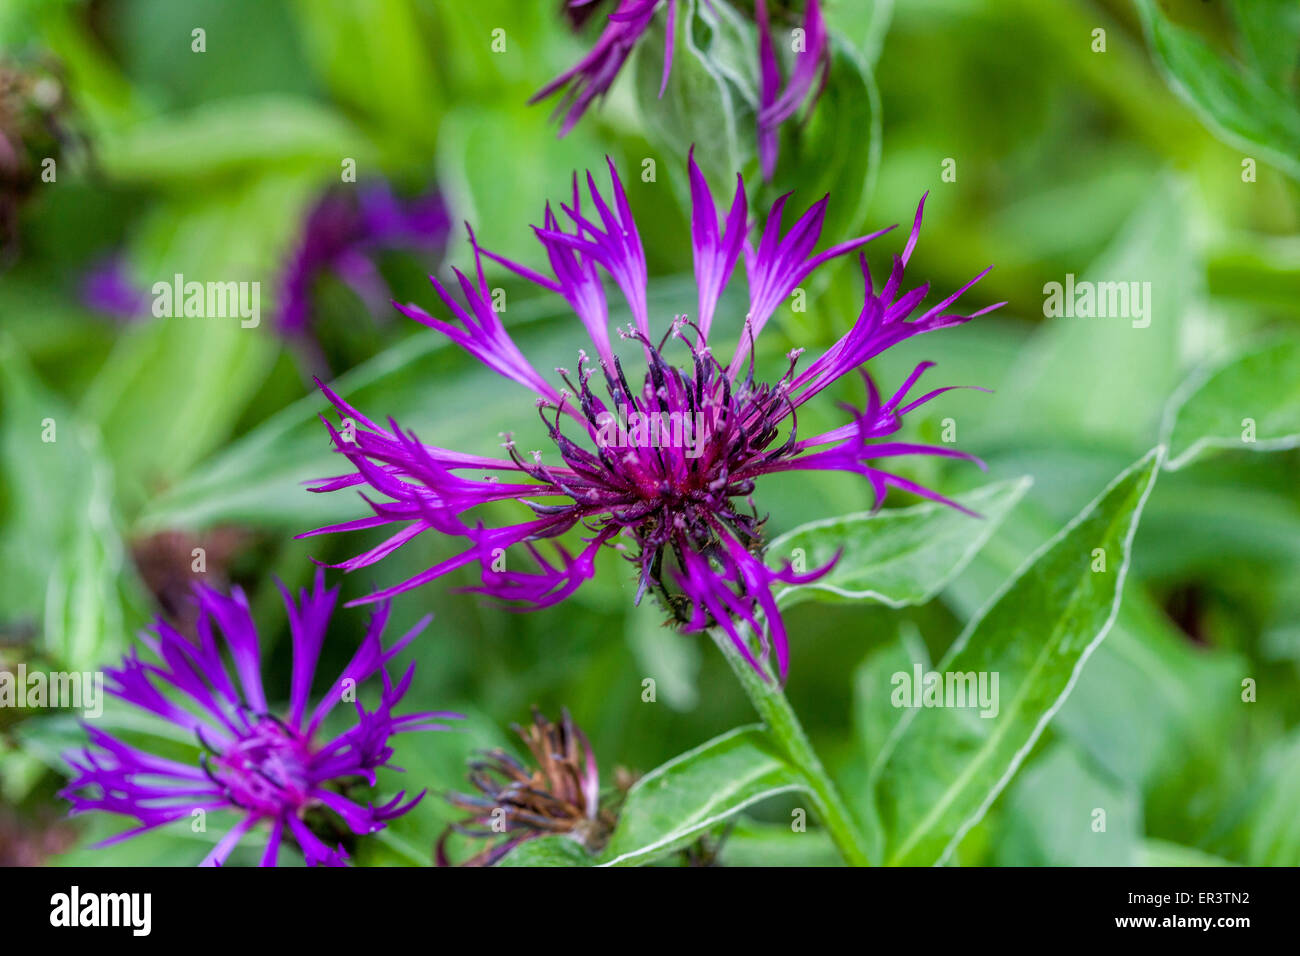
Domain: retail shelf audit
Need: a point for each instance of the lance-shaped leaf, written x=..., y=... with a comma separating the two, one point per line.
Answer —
x=59, y=544
x=898, y=557
x=674, y=804
x=946, y=765
x=1251, y=403
x=547, y=851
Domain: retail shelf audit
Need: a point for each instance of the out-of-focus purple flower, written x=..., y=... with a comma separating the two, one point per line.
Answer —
x=343, y=234
x=776, y=103
x=107, y=288
x=593, y=75
x=663, y=469
x=267, y=768
x=558, y=794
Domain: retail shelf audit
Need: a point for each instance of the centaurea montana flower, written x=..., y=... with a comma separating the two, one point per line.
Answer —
x=680, y=510
x=267, y=768
x=592, y=76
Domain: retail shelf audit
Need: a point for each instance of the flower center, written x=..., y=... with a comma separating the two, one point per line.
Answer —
x=265, y=771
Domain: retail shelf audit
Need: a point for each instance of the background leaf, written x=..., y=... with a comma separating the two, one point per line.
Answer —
x=1244, y=106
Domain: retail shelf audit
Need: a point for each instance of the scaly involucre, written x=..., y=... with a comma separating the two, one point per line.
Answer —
x=266, y=768
x=672, y=490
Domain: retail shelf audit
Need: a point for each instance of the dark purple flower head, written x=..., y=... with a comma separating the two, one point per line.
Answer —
x=267, y=768
x=342, y=235
x=559, y=793
x=662, y=469
x=592, y=76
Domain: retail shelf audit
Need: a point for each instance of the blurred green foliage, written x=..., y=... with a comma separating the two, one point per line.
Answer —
x=1127, y=165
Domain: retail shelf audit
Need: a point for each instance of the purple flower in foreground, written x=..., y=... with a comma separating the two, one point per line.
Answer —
x=342, y=235
x=592, y=76
x=662, y=469
x=267, y=768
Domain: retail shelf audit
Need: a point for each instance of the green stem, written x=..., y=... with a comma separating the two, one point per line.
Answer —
x=771, y=703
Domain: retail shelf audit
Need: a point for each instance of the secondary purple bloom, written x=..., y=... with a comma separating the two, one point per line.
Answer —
x=343, y=234
x=592, y=76
x=662, y=470
x=107, y=287
x=267, y=768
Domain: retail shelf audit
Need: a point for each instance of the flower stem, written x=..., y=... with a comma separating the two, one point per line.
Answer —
x=775, y=710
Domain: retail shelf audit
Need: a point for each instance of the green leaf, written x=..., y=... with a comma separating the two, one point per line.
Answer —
x=60, y=545
x=1270, y=33
x=673, y=659
x=699, y=106
x=675, y=803
x=1272, y=827
x=1107, y=379
x=172, y=389
x=1051, y=816
x=245, y=136
x=375, y=60
x=863, y=22
x=1210, y=411
x=1241, y=106
x=1163, y=853
x=875, y=717
x=547, y=851
x=898, y=557
x=750, y=843
x=947, y=765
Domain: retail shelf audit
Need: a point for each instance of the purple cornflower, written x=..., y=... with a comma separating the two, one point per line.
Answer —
x=671, y=489
x=265, y=767
x=342, y=235
x=592, y=76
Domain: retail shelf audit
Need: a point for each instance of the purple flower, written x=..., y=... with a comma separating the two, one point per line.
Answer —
x=593, y=75
x=266, y=768
x=107, y=287
x=342, y=235
x=661, y=470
